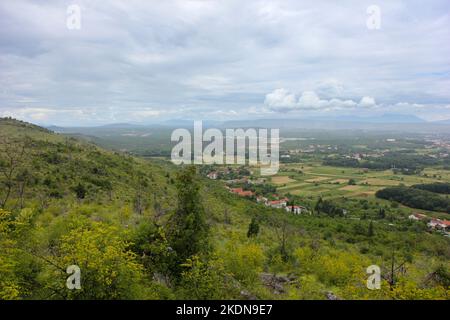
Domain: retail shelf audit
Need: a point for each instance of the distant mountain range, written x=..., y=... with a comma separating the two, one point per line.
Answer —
x=389, y=122
x=385, y=118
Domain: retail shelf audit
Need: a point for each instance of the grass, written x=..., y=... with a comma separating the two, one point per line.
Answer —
x=278, y=180
x=312, y=179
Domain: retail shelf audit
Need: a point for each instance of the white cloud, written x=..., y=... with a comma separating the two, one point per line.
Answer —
x=309, y=100
x=367, y=102
x=330, y=88
x=283, y=100
x=201, y=56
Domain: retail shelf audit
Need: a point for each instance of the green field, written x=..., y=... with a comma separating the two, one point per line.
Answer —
x=312, y=179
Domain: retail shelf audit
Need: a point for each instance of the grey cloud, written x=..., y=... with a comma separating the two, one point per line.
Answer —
x=206, y=57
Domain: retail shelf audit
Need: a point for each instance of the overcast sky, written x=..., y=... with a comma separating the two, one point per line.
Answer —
x=141, y=61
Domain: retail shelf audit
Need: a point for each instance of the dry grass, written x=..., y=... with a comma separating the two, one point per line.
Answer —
x=340, y=181
x=317, y=179
x=381, y=182
x=278, y=180
x=350, y=188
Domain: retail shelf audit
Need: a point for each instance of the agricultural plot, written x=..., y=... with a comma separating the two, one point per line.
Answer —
x=313, y=180
x=280, y=180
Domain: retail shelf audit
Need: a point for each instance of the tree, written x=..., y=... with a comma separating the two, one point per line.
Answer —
x=381, y=213
x=370, y=232
x=253, y=228
x=188, y=230
x=80, y=191
x=12, y=155
x=22, y=178
x=139, y=202
x=203, y=280
x=283, y=231
x=9, y=283
x=318, y=205
x=351, y=182
x=109, y=270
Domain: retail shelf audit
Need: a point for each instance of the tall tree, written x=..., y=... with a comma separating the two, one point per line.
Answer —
x=12, y=156
x=253, y=228
x=381, y=213
x=188, y=230
x=284, y=231
x=370, y=232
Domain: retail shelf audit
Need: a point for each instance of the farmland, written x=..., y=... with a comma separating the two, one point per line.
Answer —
x=313, y=179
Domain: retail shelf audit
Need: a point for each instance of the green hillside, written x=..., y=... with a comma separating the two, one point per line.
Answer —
x=146, y=229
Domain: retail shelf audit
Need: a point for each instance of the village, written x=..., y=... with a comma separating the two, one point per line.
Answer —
x=241, y=182
x=432, y=223
x=238, y=181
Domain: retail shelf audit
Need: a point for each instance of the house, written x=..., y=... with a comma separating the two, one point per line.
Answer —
x=417, y=216
x=241, y=192
x=277, y=204
x=296, y=209
x=257, y=181
x=447, y=224
x=212, y=175
x=236, y=190
x=262, y=200
x=439, y=224
x=246, y=193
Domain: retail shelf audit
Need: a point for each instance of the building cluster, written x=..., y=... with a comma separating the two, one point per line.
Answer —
x=432, y=223
x=276, y=204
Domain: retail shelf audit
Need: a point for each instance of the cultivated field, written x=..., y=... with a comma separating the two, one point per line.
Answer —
x=313, y=179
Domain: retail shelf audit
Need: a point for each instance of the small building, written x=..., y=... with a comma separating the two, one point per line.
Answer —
x=296, y=209
x=439, y=224
x=212, y=175
x=417, y=217
x=236, y=190
x=261, y=200
x=241, y=192
x=246, y=193
x=277, y=204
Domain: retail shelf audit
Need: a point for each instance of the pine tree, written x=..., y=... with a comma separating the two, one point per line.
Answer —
x=318, y=205
x=370, y=232
x=188, y=230
x=80, y=191
x=253, y=228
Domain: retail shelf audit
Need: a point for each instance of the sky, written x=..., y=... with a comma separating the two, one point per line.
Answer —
x=145, y=61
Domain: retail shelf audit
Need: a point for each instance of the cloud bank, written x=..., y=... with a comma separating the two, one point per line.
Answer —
x=146, y=60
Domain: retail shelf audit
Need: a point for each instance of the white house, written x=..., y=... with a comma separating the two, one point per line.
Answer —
x=277, y=204
x=439, y=224
x=417, y=217
x=261, y=200
x=296, y=209
x=212, y=175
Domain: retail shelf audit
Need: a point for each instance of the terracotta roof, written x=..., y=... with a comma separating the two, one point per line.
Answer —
x=245, y=193
x=446, y=222
x=277, y=201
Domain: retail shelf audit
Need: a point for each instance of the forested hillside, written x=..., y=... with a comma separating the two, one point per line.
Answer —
x=141, y=229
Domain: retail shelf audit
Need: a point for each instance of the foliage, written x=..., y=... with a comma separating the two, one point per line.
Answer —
x=188, y=231
x=144, y=229
x=438, y=187
x=415, y=198
x=253, y=228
